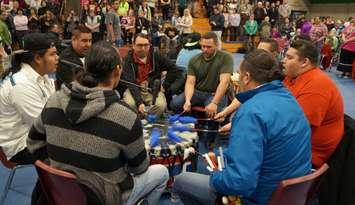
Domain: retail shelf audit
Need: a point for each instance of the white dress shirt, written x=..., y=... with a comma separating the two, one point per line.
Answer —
x=22, y=99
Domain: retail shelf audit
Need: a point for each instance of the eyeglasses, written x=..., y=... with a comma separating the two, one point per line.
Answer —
x=142, y=45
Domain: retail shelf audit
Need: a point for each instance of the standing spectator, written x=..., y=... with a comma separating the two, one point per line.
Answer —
x=15, y=8
x=21, y=25
x=259, y=13
x=5, y=34
x=318, y=33
x=84, y=13
x=182, y=6
x=217, y=23
x=103, y=5
x=286, y=28
x=152, y=5
x=36, y=4
x=123, y=8
x=128, y=24
x=142, y=24
x=175, y=19
x=226, y=25
x=156, y=28
x=234, y=22
x=33, y=21
x=265, y=28
x=233, y=5
x=113, y=25
x=347, y=54
x=42, y=10
x=306, y=28
x=93, y=22
x=251, y=28
x=72, y=21
x=245, y=11
x=284, y=9
x=147, y=10
x=165, y=8
x=273, y=14
x=102, y=27
x=186, y=23
x=329, y=22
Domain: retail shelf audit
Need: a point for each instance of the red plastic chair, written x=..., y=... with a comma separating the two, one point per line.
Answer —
x=13, y=167
x=298, y=191
x=60, y=187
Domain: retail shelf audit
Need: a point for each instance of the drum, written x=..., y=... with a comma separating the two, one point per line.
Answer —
x=169, y=152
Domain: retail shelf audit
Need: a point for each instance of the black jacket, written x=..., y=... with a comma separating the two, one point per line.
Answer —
x=65, y=72
x=337, y=187
x=173, y=82
x=219, y=20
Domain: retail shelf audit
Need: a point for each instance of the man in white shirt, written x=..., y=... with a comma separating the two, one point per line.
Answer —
x=24, y=90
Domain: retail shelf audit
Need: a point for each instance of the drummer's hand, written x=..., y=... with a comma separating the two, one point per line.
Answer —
x=141, y=108
x=187, y=106
x=211, y=109
x=225, y=128
x=220, y=117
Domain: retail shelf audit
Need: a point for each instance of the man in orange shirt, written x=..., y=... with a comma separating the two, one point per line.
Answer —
x=318, y=96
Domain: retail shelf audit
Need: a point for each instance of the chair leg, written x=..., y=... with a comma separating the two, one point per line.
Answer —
x=7, y=186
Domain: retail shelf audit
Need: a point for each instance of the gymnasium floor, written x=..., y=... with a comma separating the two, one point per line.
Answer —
x=25, y=178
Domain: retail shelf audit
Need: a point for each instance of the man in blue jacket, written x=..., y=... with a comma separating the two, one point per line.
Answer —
x=269, y=141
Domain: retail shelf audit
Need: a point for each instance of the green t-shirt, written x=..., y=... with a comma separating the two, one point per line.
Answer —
x=207, y=72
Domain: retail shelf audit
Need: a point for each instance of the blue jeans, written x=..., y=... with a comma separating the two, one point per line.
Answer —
x=199, y=98
x=194, y=189
x=149, y=185
x=119, y=42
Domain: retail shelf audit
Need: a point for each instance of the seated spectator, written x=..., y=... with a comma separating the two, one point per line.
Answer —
x=144, y=66
x=208, y=76
x=86, y=129
x=25, y=89
x=263, y=148
x=75, y=53
x=318, y=96
x=191, y=48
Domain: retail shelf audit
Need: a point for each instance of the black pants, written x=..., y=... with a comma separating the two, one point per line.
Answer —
x=166, y=11
x=234, y=32
x=23, y=157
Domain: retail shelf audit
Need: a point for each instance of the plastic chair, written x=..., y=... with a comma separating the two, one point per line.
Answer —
x=298, y=191
x=60, y=187
x=13, y=167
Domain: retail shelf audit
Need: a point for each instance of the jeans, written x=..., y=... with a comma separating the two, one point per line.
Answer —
x=198, y=99
x=119, y=42
x=149, y=185
x=194, y=189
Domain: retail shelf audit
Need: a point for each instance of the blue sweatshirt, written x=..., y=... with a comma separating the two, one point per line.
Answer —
x=269, y=142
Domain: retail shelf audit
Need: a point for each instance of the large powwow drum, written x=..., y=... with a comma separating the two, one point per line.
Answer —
x=166, y=146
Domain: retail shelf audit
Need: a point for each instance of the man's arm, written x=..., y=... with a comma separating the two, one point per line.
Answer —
x=240, y=176
x=224, y=80
x=189, y=87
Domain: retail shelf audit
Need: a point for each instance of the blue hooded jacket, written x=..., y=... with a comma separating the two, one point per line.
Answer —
x=269, y=142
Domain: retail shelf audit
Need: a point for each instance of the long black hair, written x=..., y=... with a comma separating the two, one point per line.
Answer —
x=262, y=66
x=101, y=59
x=18, y=59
